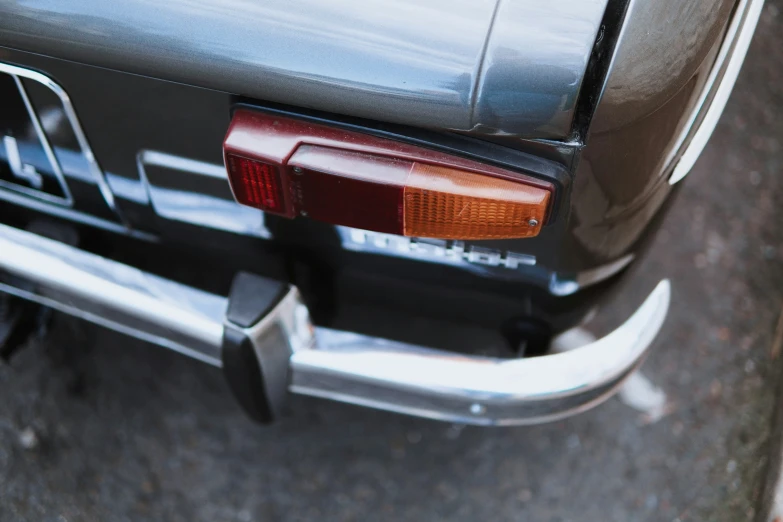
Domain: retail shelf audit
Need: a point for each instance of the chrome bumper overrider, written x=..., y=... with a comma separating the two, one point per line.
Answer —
x=293, y=356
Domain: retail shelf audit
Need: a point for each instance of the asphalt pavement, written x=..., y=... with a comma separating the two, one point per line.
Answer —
x=94, y=426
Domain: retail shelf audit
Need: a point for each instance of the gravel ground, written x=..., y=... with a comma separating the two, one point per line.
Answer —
x=98, y=427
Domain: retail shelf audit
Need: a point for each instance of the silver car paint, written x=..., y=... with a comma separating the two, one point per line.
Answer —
x=509, y=67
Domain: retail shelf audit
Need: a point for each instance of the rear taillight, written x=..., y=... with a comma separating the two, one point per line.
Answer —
x=295, y=168
x=257, y=184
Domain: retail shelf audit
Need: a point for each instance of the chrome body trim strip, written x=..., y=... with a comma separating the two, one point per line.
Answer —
x=53, y=86
x=162, y=159
x=717, y=90
x=197, y=208
x=75, y=215
x=341, y=366
x=68, y=200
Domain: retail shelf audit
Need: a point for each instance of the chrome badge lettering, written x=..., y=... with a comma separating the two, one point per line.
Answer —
x=431, y=250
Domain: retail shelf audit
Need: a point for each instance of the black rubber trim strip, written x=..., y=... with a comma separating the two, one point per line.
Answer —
x=243, y=375
x=598, y=68
x=251, y=298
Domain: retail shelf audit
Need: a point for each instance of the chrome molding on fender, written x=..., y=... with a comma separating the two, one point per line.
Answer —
x=341, y=366
x=717, y=90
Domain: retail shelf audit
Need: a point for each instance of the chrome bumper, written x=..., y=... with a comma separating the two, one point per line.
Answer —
x=293, y=356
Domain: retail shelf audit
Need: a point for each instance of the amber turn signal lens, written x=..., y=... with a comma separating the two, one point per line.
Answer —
x=451, y=204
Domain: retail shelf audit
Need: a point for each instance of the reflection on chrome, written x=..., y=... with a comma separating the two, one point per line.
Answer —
x=198, y=208
x=341, y=366
x=440, y=385
x=113, y=295
x=479, y=260
x=21, y=170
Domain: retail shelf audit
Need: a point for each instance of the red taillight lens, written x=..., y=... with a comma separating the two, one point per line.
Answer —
x=255, y=184
x=348, y=188
x=290, y=167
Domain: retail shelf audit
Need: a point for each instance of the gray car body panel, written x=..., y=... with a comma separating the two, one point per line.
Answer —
x=492, y=67
x=618, y=164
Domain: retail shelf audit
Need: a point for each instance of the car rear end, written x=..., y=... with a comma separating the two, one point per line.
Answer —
x=397, y=206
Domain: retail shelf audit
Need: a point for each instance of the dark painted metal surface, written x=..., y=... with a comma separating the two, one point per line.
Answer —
x=510, y=67
x=664, y=56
